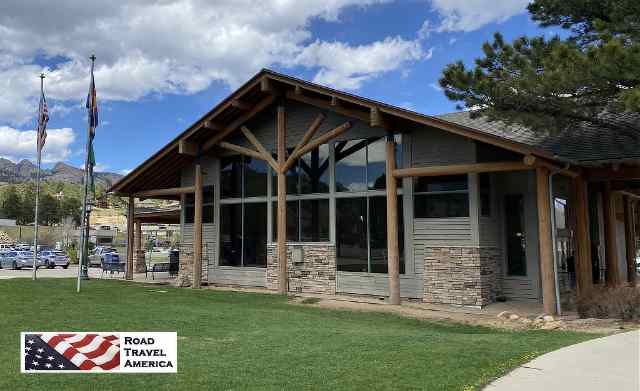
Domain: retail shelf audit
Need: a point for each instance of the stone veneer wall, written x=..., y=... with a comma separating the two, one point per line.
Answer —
x=315, y=273
x=467, y=276
x=185, y=267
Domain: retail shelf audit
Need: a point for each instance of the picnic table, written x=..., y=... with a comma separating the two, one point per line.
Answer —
x=112, y=267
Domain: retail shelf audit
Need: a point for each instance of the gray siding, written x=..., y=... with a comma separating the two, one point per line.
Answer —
x=442, y=232
x=298, y=119
x=377, y=284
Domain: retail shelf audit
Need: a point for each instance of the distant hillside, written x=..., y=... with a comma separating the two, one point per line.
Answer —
x=25, y=171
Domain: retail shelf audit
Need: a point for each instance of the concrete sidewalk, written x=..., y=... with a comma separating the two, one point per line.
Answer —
x=609, y=363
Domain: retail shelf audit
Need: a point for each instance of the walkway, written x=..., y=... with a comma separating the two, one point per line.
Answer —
x=609, y=363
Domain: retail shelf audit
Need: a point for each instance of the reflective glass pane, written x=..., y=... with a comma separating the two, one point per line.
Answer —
x=441, y=205
x=231, y=177
x=440, y=183
x=292, y=221
x=255, y=177
x=351, y=234
x=376, y=164
x=292, y=178
x=230, y=235
x=314, y=171
x=255, y=234
x=314, y=220
x=351, y=161
x=378, y=234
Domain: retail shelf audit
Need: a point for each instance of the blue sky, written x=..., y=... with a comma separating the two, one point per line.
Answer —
x=154, y=80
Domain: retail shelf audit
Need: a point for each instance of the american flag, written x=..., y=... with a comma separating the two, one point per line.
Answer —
x=69, y=352
x=43, y=118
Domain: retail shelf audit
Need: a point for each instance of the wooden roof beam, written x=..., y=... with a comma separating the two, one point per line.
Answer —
x=459, y=169
x=187, y=148
x=165, y=192
x=242, y=105
x=377, y=119
x=241, y=150
x=323, y=104
x=266, y=156
x=263, y=104
x=535, y=161
x=212, y=125
x=330, y=135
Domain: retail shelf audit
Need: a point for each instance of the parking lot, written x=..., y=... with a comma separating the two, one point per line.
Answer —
x=58, y=272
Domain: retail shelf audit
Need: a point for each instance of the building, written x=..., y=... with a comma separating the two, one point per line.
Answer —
x=362, y=197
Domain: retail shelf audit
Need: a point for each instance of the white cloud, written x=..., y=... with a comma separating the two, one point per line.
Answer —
x=173, y=46
x=344, y=66
x=99, y=167
x=469, y=15
x=21, y=144
x=124, y=171
x=435, y=86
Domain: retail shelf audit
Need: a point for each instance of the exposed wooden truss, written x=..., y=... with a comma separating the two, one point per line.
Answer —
x=458, y=169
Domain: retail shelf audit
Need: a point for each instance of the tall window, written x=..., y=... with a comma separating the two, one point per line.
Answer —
x=207, y=206
x=441, y=196
x=243, y=212
x=307, y=198
x=361, y=207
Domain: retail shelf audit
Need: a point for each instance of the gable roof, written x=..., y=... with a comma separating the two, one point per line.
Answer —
x=586, y=145
x=162, y=169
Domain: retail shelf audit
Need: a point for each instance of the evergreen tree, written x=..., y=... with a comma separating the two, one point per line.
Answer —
x=557, y=83
x=11, y=204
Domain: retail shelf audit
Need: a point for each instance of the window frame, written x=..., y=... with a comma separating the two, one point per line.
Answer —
x=466, y=191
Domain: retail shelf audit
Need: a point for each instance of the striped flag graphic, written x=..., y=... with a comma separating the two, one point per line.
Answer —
x=72, y=351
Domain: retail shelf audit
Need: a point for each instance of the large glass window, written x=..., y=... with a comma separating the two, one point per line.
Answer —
x=441, y=196
x=231, y=235
x=309, y=175
x=361, y=234
x=207, y=206
x=307, y=220
x=255, y=234
x=231, y=177
x=361, y=164
x=243, y=212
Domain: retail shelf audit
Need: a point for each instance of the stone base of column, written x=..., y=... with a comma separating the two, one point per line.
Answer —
x=139, y=265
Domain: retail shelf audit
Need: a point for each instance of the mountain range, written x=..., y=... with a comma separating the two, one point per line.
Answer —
x=25, y=171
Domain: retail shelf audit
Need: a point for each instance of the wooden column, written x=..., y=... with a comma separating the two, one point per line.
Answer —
x=282, y=204
x=545, y=238
x=393, y=254
x=130, y=239
x=630, y=240
x=584, y=277
x=197, y=230
x=610, y=245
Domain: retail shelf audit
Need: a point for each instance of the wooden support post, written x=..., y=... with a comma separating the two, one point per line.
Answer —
x=630, y=241
x=610, y=240
x=584, y=277
x=197, y=229
x=282, y=204
x=130, y=239
x=393, y=254
x=545, y=238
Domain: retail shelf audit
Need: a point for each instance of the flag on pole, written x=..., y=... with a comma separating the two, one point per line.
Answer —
x=92, y=108
x=43, y=118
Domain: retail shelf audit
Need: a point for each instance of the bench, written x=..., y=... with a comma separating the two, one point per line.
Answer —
x=112, y=267
x=163, y=267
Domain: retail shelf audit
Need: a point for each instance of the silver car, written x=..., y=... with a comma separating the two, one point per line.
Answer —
x=54, y=258
x=25, y=259
x=8, y=260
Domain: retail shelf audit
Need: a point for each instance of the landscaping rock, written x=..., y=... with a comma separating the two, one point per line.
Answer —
x=514, y=317
x=505, y=315
x=548, y=318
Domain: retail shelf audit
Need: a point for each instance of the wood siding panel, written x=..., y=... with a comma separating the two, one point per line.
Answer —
x=442, y=232
x=377, y=284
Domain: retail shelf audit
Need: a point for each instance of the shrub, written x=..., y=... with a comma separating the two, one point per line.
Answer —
x=617, y=303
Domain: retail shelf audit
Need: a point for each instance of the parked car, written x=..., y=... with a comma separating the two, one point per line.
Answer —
x=8, y=260
x=25, y=259
x=106, y=254
x=6, y=247
x=54, y=258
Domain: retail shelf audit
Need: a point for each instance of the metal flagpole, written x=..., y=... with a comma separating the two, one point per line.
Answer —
x=82, y=267
x=39, y=147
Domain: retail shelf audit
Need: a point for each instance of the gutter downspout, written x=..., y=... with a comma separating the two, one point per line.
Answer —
x=554, y=236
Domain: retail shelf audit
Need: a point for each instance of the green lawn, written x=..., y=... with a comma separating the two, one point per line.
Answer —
x=239, y=341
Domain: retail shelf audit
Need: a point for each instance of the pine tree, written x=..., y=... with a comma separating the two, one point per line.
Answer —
x=557, y=83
